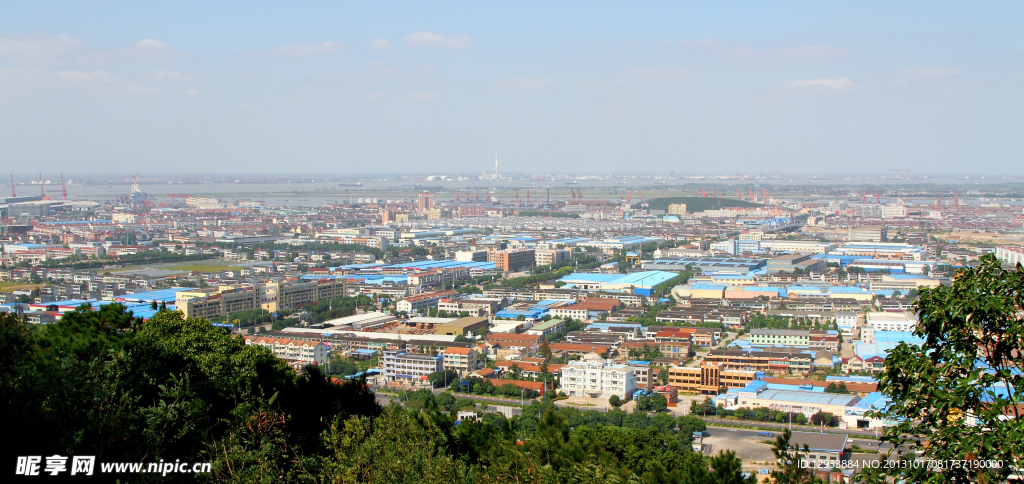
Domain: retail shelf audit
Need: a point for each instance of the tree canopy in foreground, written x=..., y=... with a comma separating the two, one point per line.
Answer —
x=956, y=398
x=106, y=384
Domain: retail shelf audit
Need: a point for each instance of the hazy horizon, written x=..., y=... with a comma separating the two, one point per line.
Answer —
x=330, y=89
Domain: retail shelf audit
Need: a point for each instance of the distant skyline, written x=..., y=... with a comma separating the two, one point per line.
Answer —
x=581, y=87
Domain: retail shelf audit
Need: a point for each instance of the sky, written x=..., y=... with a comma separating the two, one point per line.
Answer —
x=551, y=87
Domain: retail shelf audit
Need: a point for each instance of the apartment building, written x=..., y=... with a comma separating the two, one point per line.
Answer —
x=512, y=345
x=709, y=378
x=460, y=360
x=219, y=301
x=223, y=300
x=514, y=260
x=551, y=256
x=290, y=295
x=295, y=351
x=794, y=337
x=778, y=360
x=866, y=233
x=475, y=306
x=422, y=301
x=400, y=366
x=594, y=376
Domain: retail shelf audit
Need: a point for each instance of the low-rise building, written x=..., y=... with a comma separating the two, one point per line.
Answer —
x=594, y=376
x=412, y=368
x=296, y=351
x=460, y=360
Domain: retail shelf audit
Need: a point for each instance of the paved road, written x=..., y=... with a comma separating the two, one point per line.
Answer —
x=729, y=432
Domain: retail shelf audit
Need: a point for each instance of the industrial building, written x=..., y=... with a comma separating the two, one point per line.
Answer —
x=706, y=265
x=464, y=327
x=792, y=262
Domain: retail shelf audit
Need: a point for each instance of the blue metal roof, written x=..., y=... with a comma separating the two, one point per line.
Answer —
x=165, y=295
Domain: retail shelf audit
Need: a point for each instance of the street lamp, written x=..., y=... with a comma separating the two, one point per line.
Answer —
x=522, y=402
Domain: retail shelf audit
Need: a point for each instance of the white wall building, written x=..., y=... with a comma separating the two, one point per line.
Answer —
x=594, y=376
x=891, y=321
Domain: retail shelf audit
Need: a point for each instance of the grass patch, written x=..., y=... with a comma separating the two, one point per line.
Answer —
x=13, y=286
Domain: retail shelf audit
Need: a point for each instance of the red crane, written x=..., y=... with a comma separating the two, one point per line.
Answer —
x=703, y=193
x=517, y=196
x=956, y=199
x=878, y=198
x=63, y=187
x=457, y=195
x=527, y=195
x=15, y=195
x=42, y=191
x=863, y=197
x=477, y=195
x=739, y=195
x=751, y=194
x=765, y=193
x=937, y=200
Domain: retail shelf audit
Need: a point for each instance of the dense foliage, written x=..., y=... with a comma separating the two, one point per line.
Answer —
x=106, y=384
x=952, y=393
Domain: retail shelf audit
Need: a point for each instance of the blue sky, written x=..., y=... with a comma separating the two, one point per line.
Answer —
x=712, y=87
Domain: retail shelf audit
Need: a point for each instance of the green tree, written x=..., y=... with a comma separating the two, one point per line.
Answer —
x=969, y=366
x=788, y=457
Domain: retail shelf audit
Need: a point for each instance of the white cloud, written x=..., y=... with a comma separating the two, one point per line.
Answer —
x=38, y=45
x=190, y=93
x=421, y=96
x=932, y=73
x=171, y=76
x=85, y=76
x=525, y=83
x=590, y=83
x=300, y=50
x=810, y=52
x=658, y=73
x=838, y=84
x=150, y=44
x=151, y=48
x=435, y=40
x=381, y=44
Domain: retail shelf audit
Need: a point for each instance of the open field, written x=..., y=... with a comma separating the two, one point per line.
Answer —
x=14, y=286
x=170, y=268
x=197, y=267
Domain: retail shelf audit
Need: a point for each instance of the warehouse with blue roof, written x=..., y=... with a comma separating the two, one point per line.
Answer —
x=642, y=283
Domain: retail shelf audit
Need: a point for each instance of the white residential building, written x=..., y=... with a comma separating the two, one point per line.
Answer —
x=891, y=320
x=293, y=350
x=410, y=367
x=594, y=376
